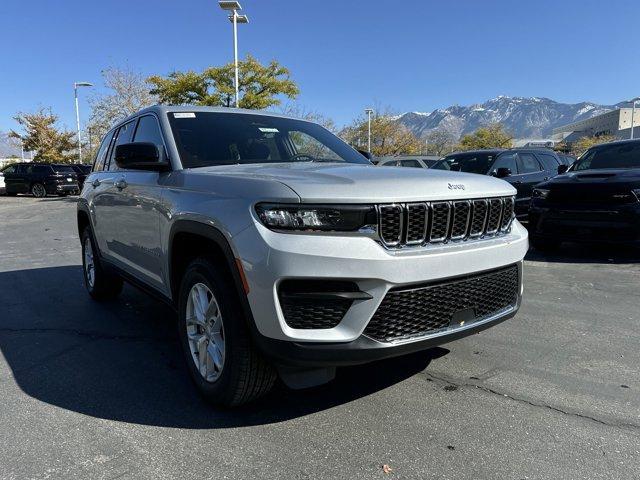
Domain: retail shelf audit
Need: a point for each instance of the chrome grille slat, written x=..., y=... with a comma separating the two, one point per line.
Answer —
x=507, y=214
x=495, y=214
x=417, y=221
x=421, y=223
x=479, y=218
x=440, y=219
x=460, y=222
x=390, y=219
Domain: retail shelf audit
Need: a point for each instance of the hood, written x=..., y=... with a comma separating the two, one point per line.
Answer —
x=619, y=177
x=333, y=182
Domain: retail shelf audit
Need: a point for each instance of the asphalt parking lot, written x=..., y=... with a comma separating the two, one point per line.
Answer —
x=100, y=391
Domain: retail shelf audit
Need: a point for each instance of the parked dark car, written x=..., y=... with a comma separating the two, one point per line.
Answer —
x=40, y=179
x=597, y=200
x=521, y=167
x=82, y=171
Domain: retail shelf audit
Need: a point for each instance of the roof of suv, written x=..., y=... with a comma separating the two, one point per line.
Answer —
x=163, y=109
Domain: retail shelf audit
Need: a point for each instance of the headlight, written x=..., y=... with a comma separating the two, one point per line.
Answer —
x=540, y=193
x=325, y=218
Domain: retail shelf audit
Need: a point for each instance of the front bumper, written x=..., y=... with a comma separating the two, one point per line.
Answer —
x=618, y=224
x=268, y=258
x=364, y=349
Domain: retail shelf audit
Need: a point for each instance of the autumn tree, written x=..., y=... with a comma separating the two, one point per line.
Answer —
x=490, y=136
x=259, y=85
x=388, y=137
x=127, y=92
x=440, y=142
x=583, y=144
x=43, y=137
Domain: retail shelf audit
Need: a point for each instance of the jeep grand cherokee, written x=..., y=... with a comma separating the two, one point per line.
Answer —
x=285, y=251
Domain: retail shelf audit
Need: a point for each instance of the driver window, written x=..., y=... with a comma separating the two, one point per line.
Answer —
x=306, y=145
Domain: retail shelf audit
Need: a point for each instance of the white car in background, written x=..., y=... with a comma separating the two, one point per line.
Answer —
x=3, y=189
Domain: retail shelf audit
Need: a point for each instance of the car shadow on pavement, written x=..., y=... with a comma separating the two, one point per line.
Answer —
x=587, y=253
x=121, y=360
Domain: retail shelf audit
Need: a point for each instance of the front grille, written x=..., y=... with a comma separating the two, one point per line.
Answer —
x=407, y=313
x=422, y=223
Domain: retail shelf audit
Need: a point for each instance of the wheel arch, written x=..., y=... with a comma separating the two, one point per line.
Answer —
x=189, y=239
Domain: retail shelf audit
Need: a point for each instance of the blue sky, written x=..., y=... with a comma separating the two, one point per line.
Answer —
x=345, y=55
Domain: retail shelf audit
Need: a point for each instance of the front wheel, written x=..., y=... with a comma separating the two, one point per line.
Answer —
x=38, y=190
x=223, y=363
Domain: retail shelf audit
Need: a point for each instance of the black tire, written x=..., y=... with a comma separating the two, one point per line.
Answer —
x=245, y=375
x=545, y=244
x=105, y=286
x=38, y=190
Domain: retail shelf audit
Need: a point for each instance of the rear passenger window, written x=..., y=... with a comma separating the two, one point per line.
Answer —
x=549, y=161
x=148, y=131
x=41, y=169
x=527, y=163
x=125, y=132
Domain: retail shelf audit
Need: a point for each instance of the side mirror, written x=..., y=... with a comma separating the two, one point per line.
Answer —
x=141, y=156
x=562, y=169
x=503, y=172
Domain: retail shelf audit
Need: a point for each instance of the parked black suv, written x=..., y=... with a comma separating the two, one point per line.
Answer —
x=521, y=167
x=597, y=200
x=40, y=179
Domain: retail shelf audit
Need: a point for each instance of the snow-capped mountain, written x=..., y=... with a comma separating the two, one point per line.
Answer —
x=533, y=117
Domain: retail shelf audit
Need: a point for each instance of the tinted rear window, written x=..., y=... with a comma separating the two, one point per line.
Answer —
x=63, y=169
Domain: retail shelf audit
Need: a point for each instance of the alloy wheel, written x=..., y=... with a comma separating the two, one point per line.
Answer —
x=38, y=190
x=205, y=332
x=89, y=265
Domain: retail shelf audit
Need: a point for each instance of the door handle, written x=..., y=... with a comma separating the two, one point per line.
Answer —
x=121, y=184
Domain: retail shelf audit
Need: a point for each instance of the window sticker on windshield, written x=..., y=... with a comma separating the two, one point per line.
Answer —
x=184, y=115
x=268, y=130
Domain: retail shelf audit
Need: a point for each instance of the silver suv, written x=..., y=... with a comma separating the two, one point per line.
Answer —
x=285, y=252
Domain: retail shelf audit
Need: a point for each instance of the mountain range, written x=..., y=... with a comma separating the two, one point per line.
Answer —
x=523, y=117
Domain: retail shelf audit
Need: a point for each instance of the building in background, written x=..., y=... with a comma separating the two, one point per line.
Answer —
x=614, y=122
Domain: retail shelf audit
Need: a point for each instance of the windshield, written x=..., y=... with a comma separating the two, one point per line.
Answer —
x=217, y=138
x=622, y=155
x=478, y=162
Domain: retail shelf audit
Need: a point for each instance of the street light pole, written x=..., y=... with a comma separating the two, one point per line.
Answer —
x=369, y=111
x=235, y=18
x=75, y=94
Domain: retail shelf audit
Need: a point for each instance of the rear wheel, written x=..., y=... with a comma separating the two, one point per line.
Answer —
x=38, y=190
x=100, y=284
x=223, y=363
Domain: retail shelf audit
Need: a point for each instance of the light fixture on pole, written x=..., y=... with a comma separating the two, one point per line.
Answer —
x=369, y=112
x=633, y=113
x=234, y=18
x=75, y=94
